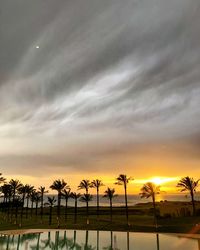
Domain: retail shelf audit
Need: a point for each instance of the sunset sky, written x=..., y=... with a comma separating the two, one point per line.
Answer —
x=98, y=88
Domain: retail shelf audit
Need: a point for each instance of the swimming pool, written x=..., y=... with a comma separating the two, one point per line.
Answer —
x=97, y=240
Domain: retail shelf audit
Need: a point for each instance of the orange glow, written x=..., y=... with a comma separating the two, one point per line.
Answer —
x=168, y=184
x=158, y=180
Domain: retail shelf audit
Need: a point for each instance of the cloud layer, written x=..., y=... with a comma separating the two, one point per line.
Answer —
x=109, y=78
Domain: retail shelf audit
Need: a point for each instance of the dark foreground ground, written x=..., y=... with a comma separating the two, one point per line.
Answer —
x=140, y=219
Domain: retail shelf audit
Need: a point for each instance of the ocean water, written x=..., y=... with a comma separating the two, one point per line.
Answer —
x=132, y=200
x=119, y=200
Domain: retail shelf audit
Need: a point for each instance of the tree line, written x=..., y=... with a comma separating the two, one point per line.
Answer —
x=18, y=199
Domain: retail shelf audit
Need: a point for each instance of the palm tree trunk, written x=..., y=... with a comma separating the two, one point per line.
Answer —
x=36, y=208
x=58, y=209
x=31, y=208
x=193, y=203
x=87, y=212
x=66, y=205
x=126, y=202
x=9, y=208
x=111, y=210
x=16, y=212
x=12, y=207
x=50, y=215
x=27, y=207
x=41, y=206
x=97, y=202
x=22, y=209
x=154, y=208
x=75, y=212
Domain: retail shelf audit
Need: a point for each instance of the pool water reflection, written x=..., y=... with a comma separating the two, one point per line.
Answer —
x=97, y=240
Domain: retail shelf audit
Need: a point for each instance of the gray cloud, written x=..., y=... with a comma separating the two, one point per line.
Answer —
x=126, y=71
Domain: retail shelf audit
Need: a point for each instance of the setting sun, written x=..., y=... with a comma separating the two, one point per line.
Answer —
x=162, y=180
x=158, y=180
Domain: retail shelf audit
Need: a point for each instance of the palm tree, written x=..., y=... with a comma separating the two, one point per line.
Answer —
x=122, y=179
x=85, y=184
x=37, y=199
x=151, y=190
x=18, y=203
x=22, y=191
x=75, y=196
x=42, y=191
x=4, y=191
x=29, y=190
x=51, y=202
x=110, y=194
x=33, y=199
x=58, y=185
x=189, y=184
x=7, y=195
x=66, y=193
x=15, y=185
x=2, y=179
x=86, y=198
x=97, y=184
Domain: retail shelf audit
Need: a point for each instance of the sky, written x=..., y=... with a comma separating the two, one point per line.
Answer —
x=93, y=89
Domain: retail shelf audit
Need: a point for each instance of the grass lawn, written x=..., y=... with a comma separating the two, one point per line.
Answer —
x=140, y=219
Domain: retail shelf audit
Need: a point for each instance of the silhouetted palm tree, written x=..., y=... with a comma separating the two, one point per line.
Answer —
x=86, y=198
x=17, y=202
x=58, y=185
x=22, y=191
x=29, y=190
x=51, y=202
x=151, y=190
x=97, y=184
x=122, y=179
x=85, y=184
x=66, y=193
x=2, y=179
x=37, y=199
x=33, y=199
x=7, y=195
x=5, y=190
x=75, y=196
x=42, y=191
x=189, y=184
x=110, y=194
x=15, y=185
